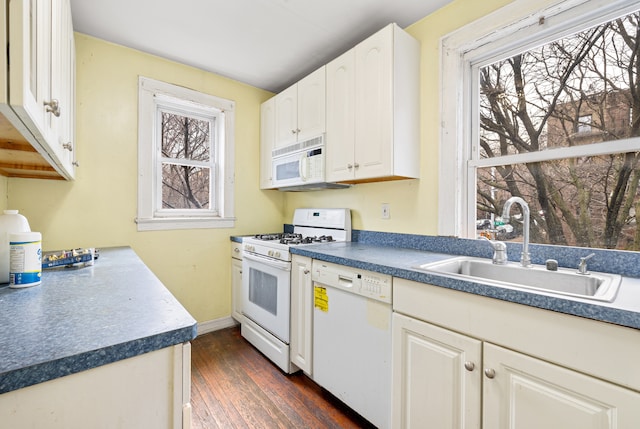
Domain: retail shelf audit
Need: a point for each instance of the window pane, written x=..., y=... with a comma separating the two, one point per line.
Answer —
x=577, y=90
x=185, y=138
x=573, y=92
x=586, y=201
x=185, y=187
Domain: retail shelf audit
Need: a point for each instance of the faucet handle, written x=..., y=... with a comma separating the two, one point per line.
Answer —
x=582, y=266
x=499, y=251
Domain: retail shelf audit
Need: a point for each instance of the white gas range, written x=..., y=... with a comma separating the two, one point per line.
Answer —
x=266, y=278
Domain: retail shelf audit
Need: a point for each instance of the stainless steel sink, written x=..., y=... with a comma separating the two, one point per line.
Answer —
x=596, y=286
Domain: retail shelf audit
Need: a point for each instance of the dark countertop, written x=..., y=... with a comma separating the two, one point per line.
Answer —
x=400, y=262
x=83, y=318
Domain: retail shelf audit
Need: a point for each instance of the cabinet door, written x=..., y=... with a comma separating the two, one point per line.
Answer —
x=374, y=105
x=63, y=84
x=267, y=137
x=236, y=281
x=312, y=105
x=286, y=105
x=42, y=77
x=109, y=396
x=30, y=57
x=340, y=117
x=301, y=313
x=520, y=392
x=436, y=376
x=236, y=285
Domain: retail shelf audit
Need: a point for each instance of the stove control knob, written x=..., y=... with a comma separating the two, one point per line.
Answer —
x=270, y=253
x=277, y=254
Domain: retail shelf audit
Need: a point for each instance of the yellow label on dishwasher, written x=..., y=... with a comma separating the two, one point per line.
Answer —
x=320, y=298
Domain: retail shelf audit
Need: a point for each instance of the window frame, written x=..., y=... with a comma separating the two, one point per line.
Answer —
x=154, y=96
x=518, y=26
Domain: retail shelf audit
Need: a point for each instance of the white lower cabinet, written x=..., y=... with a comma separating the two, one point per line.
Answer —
x=526, y=393
x=448, y=371
x=149, y=391
x=436, y=376
x=236, y=281
x=301, y=313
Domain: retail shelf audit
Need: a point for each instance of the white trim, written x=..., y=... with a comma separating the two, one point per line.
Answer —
x=159, y=224
x=497, y=35
x=595, y=149
x=149, y=216
x=216, y=325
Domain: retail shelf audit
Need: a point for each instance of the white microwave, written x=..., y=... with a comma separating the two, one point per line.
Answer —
x=298, y=164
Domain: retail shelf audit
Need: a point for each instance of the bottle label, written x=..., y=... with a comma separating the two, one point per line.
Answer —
x=25, y=263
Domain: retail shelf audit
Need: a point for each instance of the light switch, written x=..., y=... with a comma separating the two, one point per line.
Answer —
x=385, y=211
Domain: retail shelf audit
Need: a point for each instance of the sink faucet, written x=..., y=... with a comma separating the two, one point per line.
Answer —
x=499, y=251
x=582, y=266
x=525, y=258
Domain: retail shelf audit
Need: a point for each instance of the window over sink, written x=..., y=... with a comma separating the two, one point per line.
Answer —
x=542, y=103
x=185, y=158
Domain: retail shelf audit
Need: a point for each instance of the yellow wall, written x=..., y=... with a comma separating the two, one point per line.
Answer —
x=413, y=203
x=4, y=183
x=99, y=207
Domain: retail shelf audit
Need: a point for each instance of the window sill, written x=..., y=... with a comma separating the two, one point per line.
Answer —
x=165, y=224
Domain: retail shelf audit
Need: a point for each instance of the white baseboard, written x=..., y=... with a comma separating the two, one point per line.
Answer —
x=216, y=324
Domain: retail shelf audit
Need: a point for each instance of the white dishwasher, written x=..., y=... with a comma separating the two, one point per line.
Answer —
x=352, y=338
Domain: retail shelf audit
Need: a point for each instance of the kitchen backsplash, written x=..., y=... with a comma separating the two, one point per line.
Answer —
x=622, y=262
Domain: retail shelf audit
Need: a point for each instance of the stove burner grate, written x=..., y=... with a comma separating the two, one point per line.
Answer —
x=291, y=238
x=294, y=239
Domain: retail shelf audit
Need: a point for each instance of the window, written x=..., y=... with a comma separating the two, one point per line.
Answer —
x=583, y=125
x=185, y=158
x=546, y=97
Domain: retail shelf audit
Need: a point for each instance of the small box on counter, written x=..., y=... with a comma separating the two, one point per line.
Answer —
x=69, y=258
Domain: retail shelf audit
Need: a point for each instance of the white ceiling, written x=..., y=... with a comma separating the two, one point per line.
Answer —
x=269, y=44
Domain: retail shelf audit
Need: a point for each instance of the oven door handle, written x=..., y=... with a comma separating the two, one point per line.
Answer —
x=284, y=266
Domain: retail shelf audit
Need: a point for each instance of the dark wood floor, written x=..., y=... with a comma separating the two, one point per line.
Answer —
x=235, y=386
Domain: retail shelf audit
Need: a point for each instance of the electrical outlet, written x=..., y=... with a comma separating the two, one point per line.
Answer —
x=385, y=211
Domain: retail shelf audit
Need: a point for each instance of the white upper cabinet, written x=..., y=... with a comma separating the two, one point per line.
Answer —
x=41, y=79
x=300, y=110
x=63, y=85
x=341, y=99
x=367, y=103
x=373, y=110
x=267, y=139
x=30, y=58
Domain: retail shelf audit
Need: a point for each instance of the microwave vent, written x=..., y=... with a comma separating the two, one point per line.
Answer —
x=296, y=147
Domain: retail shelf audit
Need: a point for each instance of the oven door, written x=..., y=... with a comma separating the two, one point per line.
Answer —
x=266, y=293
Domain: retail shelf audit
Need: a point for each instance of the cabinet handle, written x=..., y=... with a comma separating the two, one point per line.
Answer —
x=235, y=249
x=293, y=131
x=490, y=372
x=356, y=165
x=52, y=106
x=68, y=146
x=306, y=271
x=76, y=163
x=349, y=166
x=469, y=366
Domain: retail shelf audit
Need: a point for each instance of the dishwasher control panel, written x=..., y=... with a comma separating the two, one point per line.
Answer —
x=361, y=282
